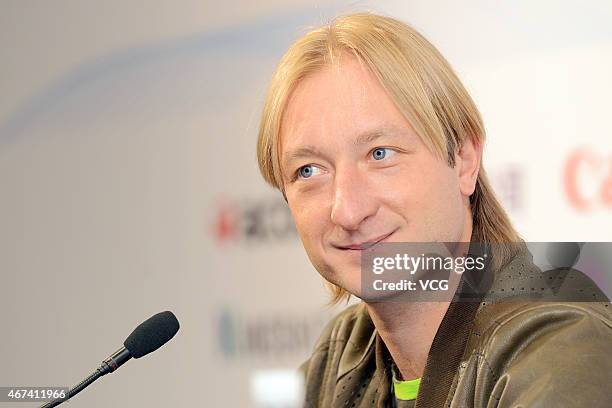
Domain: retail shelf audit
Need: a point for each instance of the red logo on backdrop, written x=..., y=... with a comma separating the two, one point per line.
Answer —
x=226, y=224
x=252, y=221
x=587, y=178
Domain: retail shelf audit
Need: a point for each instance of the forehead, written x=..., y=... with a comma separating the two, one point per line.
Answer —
x=336, y=104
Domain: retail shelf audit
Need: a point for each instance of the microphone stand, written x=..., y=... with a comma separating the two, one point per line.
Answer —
x=108, y=366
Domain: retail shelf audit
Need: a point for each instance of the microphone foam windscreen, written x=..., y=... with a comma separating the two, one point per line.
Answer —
x=152, y=334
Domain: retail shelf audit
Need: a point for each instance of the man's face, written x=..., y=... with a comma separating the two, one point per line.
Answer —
x=355, y=173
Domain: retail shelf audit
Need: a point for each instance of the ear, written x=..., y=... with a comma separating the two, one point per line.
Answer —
x=467, y=164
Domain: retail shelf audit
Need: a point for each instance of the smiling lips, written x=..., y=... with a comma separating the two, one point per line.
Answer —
x=366, y=244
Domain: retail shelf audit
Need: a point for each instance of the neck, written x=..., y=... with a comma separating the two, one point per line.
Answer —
x=409, y=328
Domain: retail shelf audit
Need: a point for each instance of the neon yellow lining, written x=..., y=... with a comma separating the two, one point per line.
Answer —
x=406, y=390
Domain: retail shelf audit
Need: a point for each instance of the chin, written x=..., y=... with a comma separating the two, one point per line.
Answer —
x=376, y=297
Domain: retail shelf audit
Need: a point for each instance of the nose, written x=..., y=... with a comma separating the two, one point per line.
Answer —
x=352, y=202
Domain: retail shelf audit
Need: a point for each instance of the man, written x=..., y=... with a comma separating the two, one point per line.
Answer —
x=372, y=138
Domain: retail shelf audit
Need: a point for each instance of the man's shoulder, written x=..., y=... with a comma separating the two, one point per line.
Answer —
x=523, y=295
x=343, y=344
x=504, y=329
x=563, y=342
x=345, y=351
x=534, y=313
x=351, y=326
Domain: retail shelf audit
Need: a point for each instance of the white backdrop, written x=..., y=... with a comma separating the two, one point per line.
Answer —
x=129, y=185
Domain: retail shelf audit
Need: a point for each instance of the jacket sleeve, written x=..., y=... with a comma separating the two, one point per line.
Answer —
x=549, y=355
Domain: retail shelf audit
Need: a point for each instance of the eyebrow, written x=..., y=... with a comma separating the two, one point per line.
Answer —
x=370, y=136
x=363, y=139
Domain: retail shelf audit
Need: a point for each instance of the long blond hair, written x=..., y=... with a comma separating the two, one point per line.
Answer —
x=421, y=83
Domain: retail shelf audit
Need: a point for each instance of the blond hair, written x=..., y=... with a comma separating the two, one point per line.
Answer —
x=422, y=85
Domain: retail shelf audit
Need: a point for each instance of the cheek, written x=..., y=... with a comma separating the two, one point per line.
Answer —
x=309, y=222
x=445, y=205
x=427, y=195
x=422, y=183
x=442, y=191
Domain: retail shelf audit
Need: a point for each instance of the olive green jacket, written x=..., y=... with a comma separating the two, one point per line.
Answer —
x=501, y=351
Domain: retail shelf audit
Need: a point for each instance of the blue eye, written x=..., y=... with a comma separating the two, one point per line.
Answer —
x=380, y=153
x=306, y=171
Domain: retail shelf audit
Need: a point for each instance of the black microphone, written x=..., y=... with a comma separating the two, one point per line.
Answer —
x=146, y=338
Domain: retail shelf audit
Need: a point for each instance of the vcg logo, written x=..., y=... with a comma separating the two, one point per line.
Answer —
x=260, y=220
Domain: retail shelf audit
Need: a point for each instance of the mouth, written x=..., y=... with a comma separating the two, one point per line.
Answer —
x=366, y=244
